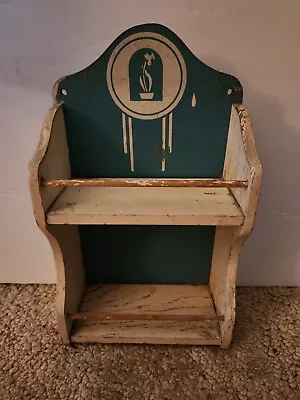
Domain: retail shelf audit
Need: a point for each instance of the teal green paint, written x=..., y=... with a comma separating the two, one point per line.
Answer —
x=147, y=254
x=94, y=131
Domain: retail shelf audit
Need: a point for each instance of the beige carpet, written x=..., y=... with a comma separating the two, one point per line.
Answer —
x=263, y=362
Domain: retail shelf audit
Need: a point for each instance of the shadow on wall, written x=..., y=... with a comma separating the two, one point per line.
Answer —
x=272, y=253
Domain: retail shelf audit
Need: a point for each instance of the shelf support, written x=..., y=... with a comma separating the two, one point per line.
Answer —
x=143, y=182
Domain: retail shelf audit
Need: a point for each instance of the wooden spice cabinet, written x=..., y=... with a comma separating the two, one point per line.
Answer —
x=143, y=312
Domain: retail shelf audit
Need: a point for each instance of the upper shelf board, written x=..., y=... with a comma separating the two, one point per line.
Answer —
x=145, y=206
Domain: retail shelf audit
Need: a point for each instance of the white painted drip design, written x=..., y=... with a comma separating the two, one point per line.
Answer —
x=131, y=144
x=170, y=133
x=163, y=145
x=124, y=133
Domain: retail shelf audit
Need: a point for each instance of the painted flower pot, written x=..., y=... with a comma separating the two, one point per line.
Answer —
x=147, y=96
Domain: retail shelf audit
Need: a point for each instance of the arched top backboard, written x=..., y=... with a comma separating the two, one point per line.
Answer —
x=148, y=108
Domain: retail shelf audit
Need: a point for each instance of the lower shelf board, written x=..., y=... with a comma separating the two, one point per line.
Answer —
x=144, y=313
x=147, y=302
x=152, y=332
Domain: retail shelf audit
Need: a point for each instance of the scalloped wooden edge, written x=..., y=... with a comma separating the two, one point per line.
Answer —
x=241, y=162
x=64, y=240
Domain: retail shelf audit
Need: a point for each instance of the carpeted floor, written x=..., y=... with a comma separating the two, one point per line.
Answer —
x=263, y=362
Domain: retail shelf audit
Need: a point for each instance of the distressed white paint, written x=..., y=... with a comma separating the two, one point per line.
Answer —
x=41, y=41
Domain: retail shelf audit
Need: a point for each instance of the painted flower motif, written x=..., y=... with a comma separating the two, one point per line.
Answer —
x=149, y=58
x=145, y=78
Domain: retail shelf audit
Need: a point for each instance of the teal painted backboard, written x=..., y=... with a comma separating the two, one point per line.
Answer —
x=148, y=108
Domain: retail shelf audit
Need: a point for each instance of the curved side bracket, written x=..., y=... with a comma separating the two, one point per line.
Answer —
x=241, y=162
x=49, y=161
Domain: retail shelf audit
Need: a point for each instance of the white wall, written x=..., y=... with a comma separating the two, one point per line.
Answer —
x=258, y=41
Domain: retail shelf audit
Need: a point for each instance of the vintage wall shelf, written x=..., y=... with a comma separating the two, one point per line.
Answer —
x=145, y=181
